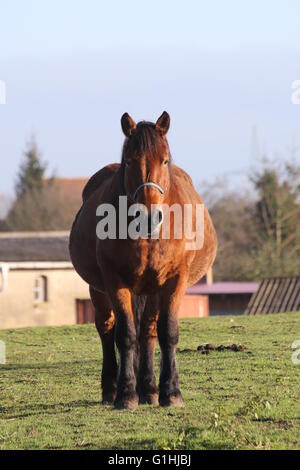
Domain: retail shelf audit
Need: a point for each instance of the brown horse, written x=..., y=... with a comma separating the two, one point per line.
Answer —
x=137, y=284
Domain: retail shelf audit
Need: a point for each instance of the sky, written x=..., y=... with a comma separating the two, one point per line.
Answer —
x=222, y=69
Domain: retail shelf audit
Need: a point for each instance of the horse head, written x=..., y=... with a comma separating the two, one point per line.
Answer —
x=146, y=164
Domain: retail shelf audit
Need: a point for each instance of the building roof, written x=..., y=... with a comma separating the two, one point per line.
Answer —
x=219, y=288
x=70, y=188
x=35, y=246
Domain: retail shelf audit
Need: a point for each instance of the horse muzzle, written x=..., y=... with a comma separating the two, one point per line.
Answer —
x=155, y=220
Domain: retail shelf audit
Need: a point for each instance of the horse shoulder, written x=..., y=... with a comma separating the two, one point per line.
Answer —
x=181, y=174
x=98, y=179
x=184, y=181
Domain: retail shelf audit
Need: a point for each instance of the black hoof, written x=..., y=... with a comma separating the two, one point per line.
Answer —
x=108, y=398
x=149, y=399
x=127, y=402
x=109, y=393
x=171, y=399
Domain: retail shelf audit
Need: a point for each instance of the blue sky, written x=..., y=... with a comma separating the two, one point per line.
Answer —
x=219, y=68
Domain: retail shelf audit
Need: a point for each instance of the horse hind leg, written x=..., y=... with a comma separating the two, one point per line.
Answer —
x=105, y=324
x=168, y=334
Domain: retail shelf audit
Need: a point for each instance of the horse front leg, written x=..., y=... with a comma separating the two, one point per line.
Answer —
x=146, y=383
x=168, y=335
x=125, y=336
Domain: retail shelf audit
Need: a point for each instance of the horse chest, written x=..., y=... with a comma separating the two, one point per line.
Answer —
x=149, y=268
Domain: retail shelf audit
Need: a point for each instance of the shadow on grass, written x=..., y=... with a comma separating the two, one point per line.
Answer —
x=192, y=443
x=43, y=366
x=45, y=409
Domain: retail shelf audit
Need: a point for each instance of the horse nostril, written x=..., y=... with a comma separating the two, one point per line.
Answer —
x=160, y=216
x=155, y=219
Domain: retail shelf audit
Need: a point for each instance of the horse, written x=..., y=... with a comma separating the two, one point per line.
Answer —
x=137, y=283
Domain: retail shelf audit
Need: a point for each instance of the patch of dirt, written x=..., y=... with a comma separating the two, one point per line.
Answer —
x=185, y=350
x=237, y=327
x=208, y=348
x=279, y=423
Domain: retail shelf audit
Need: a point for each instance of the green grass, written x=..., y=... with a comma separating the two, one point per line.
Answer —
x=50, y=393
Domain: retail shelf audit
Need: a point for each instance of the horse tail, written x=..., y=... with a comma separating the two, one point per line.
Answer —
x=138, y=307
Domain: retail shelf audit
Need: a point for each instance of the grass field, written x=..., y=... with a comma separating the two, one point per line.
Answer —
x=50, y=394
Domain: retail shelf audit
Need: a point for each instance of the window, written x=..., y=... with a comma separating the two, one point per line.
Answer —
x=40, y=289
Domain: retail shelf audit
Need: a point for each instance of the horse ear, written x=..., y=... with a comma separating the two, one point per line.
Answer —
x=128, y=125
x=163, y=123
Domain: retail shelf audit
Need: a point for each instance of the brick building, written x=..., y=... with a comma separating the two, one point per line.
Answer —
x=39, y=286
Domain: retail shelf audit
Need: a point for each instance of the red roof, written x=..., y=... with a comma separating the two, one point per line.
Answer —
x=70, y=187
x=224, y=288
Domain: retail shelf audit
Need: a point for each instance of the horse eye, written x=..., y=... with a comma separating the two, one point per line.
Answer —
x=166, y=162
x=127, y=163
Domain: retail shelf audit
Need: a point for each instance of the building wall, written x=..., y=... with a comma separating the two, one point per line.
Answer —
x=18, y=308
x=194, y=306
x=228, y=304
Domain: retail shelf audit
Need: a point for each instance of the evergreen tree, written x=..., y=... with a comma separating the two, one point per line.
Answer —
x=31, y=172
x=39, y=204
